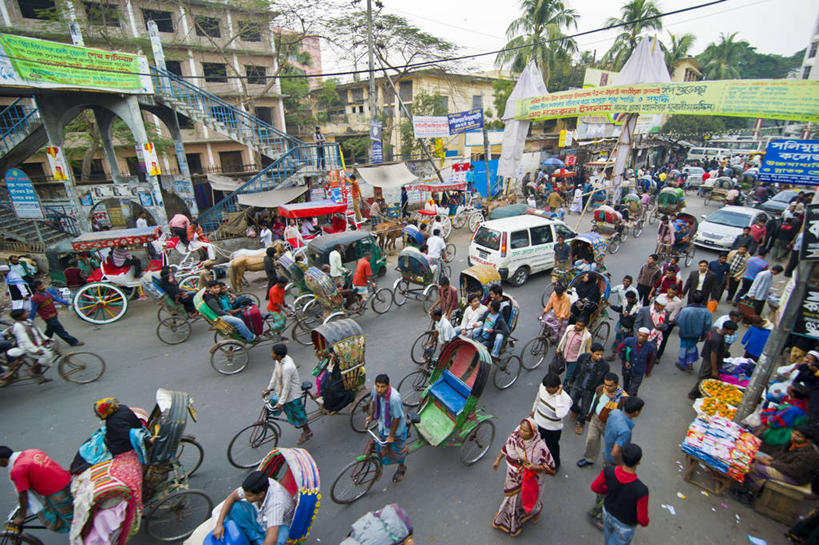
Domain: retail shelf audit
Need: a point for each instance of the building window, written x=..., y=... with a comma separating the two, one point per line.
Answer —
x=405, y=91
x=37, y=9
x=806, y=72
x=194, y=162
x=231, y=161
x=163, y=19
x=444, y=102
x=101, y=14
x=358, y=95
x=215, y=72
x=174, y=67
x=207, y=26
x=265, y=114
x=477, y=102
x=256, y=74
x=250, y=32
x=812, y=52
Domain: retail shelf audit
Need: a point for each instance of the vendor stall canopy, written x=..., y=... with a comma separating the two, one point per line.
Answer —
x=387, y=176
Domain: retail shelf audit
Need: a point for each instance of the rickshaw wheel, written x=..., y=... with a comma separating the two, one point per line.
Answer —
x=190, y=283
x=174, y=330
x=520, y=277
x=412, y=386
x=334, y=317
x=176, y=516
x=302, y=332
x=355, y=480
x=16, y=539
x=229, y=357
x=477, y=443
x=430, y=295
x=360, y=412
x=419, y=353
x=459, y=220
x=381, y=301
x=81, y=367
x=601, y=333
x=190, y=455
x=451, y=250
x=399, y=292
x=291, y=293
x=507, y=371
x=475, y=220
x=689, y=255
x=251, y=444
x=100, y=303
x=301, y=302
x=544, y=297
x=534, y=353
x=614, y=244
x=638, y=229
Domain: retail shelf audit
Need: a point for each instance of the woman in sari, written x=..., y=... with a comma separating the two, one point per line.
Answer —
x=527, y=459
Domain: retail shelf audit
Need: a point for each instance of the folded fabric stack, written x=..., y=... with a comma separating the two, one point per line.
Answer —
x=736, y=370
x=722, y=444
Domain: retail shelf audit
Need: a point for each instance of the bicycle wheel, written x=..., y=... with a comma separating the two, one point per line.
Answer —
x=176, y=517
x=430, y=296
x=533, y=353
x=302, y=333
x=424, y=347
x=174, y=330
x=477, y=443
x=381, y=301
x=229, y=357
x=81, y=367
x=507, y=371
x=360, y=412
x=9, y=538
x=689, y=255
x=601, y=333
x=251, y=444
x=252, y=296
x=190, y=455
x=459, y=220
x=399, y=291
x=614, y=244
x=412, y=387
x=638, y=229
x=355, y=480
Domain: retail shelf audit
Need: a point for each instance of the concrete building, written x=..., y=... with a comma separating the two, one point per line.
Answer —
x=810, y=64
x=207, y=42
x=687, y=69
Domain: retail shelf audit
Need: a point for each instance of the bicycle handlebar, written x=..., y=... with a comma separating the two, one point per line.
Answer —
x=375, y=437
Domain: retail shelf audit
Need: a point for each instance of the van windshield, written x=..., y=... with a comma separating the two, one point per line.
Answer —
x=487, y=238
x=730, y=219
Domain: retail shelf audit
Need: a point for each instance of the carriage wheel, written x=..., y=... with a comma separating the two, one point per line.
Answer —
x=451, y=250
x=189, y=454
x=689, y=255
x=534, y=353
x=190, y=283
x=614, y=244
x=100, y=303
x=601, y=333
x=81, y=367
x=477, y=442
x=251, y=445
x=475, y=220
x=638, y=229
x=399, y=291
x=412, y=387
x=229, y=357
x=359, y=414
x=446, y=226
x=430, y=296
x=381, y=301
x=176, y=516
x=424, y=347
x=507, y=371
x=355, y=480
x=459, y=220
x=174, y=330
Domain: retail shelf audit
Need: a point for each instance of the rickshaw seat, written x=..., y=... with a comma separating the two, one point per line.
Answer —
x=451, y=392
x=339, y=226
x=306, y=386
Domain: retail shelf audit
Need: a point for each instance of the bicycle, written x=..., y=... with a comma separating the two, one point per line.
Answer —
x=535, y=350
x=12, y=535
x=76, y=367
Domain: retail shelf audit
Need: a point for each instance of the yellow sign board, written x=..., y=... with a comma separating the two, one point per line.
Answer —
x=792, y=100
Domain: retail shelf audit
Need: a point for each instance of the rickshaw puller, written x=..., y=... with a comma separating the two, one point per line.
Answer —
x=388, y=412
x=285, y=383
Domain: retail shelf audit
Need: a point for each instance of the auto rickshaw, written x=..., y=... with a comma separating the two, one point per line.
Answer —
x=353, y=246
x=669, y=201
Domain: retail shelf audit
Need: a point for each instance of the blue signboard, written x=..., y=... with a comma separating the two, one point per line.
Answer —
x=465, y=121
x=378, y=152
x=23, y=197
x=791, y=162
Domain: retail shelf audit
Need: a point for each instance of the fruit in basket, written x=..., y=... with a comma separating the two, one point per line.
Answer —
x=713, y=405
x=727, y=393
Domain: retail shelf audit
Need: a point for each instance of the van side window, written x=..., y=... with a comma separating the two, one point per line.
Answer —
x=563, y=231
x=541, y=235
x=519, y=239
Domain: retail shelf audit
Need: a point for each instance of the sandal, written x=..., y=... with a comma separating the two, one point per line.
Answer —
x=304, y=438
x=399, y=475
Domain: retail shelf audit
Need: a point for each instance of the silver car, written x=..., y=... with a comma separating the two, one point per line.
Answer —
x=718, y=230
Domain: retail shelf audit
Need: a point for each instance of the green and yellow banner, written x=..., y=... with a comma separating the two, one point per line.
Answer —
x=792, y=100
x=30, y=62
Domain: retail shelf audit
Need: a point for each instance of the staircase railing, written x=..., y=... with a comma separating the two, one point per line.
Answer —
x=277, y=174
x=260, y=134
x=53, y=217
x=15, y=118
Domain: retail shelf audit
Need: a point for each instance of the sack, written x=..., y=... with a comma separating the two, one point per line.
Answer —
x=529, y=489
x=712, y=306
x=558, y=364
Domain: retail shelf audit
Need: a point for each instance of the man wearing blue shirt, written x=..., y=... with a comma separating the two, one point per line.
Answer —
x=388, y=412
x=719, y=267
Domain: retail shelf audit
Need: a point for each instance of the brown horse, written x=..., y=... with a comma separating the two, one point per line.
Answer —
x=388, y=232
x=241, y=264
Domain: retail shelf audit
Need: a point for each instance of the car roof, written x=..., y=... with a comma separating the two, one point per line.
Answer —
x=518, y=222
x=327, y=242
x=743, y=210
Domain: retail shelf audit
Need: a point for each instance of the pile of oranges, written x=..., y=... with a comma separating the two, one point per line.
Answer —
x=721, y=391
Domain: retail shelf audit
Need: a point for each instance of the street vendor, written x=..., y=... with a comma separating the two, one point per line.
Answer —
x=777, y=421
x=714, y=350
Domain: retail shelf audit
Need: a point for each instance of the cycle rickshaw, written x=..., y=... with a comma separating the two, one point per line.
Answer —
x=340, y=378
x=609, y=223
x=296, y=293
x=415, y=270
x=683, y=247
x=636, y=216
x=669, y=201
x=297, y=471
x=449, y=416
x=599, y=327
x=718, y=190
x=477, y=279
x=588, y=251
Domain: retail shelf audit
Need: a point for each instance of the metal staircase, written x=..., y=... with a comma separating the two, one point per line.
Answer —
x=21, y=132
x=56, y=226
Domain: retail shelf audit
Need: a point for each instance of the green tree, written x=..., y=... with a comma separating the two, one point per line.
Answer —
x=327, y=99
x=501, y=89
x=423, y=104
x=720, y=60
x=631, y=17
x=538, y=34
x=678, y=49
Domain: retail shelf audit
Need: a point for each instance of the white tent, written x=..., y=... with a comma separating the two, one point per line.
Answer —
x=273, y=198
x=530, y=84
x=387, y=176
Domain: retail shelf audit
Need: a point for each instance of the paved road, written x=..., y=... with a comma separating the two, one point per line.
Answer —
x=449, y=503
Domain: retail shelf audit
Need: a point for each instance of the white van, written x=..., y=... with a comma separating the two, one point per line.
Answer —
x=699, y=154
x=517, y=246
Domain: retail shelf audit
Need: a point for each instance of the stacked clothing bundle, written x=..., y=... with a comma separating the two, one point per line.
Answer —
x=722, y=444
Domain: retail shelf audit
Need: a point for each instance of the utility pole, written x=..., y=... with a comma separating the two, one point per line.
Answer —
x=371, y=96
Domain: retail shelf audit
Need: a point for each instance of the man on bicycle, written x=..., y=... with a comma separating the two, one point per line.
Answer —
x=388, y=413
x=447, y=298
x=285, y=385
x=363, y=278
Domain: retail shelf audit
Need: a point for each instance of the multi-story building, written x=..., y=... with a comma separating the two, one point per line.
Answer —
x=810, y=64
x=205, y=41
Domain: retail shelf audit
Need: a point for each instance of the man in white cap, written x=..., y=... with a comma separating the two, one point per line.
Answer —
x=19, y=292
x=637, y=355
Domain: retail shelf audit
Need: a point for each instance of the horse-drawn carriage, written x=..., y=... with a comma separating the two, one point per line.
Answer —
x=341, y=219
x=671, y=200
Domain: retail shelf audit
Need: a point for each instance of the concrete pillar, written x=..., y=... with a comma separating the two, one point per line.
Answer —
x=105, y=120
x=184, y=187
x=132, y=116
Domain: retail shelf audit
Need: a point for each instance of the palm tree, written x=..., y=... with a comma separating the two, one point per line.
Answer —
x=678, y=49
x=632, y=16
x=530, y=36
x=720, y=60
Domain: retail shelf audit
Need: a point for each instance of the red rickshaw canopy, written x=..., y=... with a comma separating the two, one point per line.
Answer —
x=439, y=187
x=113, y=238
x=311, y=209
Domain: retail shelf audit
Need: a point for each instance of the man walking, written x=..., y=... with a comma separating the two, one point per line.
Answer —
x=637, y=355
x=761, y=286
x=753, y=267
x=626, y=503
x=607, y=397
x=648, y=276
x=551, y=405
x=18, y=291
x=699, y=281
x=737, y=261
x=694, y=323
x=745, y=239
x=576, y=340
x=355, y=193
x=673, y=305
x=714, y=351
x=719, y=268
x=625, y=325
x=588, y=375
x=337, y=269
x=42, y=303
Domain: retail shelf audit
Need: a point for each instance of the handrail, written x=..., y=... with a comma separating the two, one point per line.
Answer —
x=53, y=217
x=15, y=119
